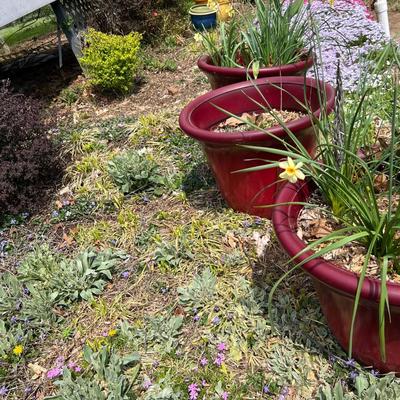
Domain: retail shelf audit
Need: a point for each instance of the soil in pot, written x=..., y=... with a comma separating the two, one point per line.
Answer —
x=264, y=120
x=315, y=222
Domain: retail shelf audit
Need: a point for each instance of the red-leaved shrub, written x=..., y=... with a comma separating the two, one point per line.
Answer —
x=28, y=158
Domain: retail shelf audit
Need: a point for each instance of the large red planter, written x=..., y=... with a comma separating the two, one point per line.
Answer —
x=336, y=288
x=222, y=76
x=246, y=191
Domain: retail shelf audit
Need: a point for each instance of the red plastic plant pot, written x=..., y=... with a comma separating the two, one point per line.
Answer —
x=222, y=76
x=245, y=192
x=336, y=288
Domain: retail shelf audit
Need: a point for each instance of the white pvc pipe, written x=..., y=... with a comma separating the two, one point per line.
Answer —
x=381, y=9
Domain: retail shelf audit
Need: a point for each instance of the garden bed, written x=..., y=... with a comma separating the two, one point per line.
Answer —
x=188, y=284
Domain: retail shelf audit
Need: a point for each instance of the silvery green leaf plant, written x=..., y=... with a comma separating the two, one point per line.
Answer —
x=109, y=376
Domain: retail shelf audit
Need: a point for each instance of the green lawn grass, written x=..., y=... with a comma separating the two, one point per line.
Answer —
x=18, y=33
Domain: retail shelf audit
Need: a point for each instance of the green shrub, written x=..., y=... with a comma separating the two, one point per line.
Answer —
x=111, y=61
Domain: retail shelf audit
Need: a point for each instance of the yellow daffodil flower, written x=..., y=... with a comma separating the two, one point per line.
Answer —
x=112, y=332
x=18, y=350
x=291, y=171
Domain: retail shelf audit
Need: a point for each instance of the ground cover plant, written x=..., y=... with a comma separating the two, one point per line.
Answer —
x=141, y=283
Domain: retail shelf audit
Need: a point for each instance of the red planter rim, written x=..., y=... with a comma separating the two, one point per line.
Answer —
x=205, y=135
x=284, y=219
x=205, y=64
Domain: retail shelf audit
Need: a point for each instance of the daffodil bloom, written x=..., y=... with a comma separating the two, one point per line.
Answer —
x=18, y=350
x=291, y=171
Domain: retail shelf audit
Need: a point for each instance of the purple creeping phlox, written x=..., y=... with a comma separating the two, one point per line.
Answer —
x=146, y=384
x=194, y=391
x=340, y=38
x=203, y=362
x=221, y=347
x=224, y=395
x=54, y=372
x=219, y=359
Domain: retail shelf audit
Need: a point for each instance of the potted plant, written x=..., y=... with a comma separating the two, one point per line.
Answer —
x=268, y=42
x=245, y=192
x=355, y=180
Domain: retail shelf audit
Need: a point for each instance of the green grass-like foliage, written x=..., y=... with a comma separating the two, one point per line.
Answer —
x=134, y=171
x=111, y=61
x=270, y=35
x=109, y=376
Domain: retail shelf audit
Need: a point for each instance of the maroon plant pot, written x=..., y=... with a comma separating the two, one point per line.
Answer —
x=222, y=76
x=336, y=288
x=245, y=192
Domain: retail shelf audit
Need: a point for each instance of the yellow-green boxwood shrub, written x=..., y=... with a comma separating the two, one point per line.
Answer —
x=111, y=61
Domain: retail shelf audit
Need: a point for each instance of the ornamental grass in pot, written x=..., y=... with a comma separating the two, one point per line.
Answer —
x=228, y=152
x=354, y=258
x=266, y=42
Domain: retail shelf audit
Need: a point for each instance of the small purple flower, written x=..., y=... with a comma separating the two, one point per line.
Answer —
x=229, y=317
x=72, y=365
x=193, y=390
x=266, y=389
x=13, y=319
x=221, y=347
x=284, y=393
x=219, y=359
x=146, y=384
x=215, y=320
x=258, y=221
x=55, y=214
x=203, y=383
x=156, y=364
x=374, y=372
x=216, y=309
x=54, y=372
x=60, y=361
x=353, y=375
x=203, y=362
x=125, y=274
x=224, y=396
x=26, y=291
x=332, y=358
x=350, y=362
x=27, y=390
x=3, y=391
x=196, y=318
x=246, y=224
